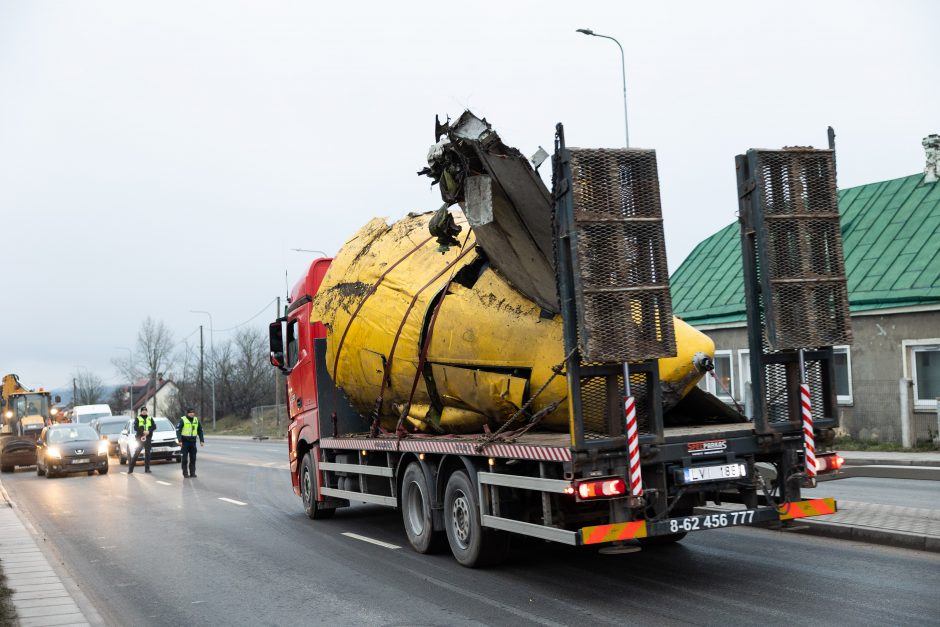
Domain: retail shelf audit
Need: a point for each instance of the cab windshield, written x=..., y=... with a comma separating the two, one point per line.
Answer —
x=110, y=427
x=25, y=405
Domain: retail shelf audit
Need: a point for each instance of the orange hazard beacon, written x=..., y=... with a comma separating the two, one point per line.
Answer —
x=510, y=365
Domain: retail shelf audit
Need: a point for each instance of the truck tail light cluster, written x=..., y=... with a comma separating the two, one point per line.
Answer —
x=604, y=488
x=829, y=462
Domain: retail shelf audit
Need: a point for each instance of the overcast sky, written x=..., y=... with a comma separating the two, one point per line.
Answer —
x=159, y=157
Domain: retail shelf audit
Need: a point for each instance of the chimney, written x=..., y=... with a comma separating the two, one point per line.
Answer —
x=932, y=148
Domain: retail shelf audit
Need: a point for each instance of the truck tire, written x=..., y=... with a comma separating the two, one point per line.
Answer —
x=416, y=511
x=312, y=507
x=471, y=545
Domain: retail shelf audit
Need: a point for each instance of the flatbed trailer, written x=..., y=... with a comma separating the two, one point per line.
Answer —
x=625, y=470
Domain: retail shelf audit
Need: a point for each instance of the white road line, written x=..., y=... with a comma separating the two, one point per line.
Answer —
x=356, y=536
x=164, y=482
x=233, y=501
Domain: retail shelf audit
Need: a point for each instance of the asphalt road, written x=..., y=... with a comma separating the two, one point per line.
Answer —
x=157, y=550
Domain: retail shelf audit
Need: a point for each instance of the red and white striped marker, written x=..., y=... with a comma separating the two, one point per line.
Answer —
x=633, y=447
x=809, y=441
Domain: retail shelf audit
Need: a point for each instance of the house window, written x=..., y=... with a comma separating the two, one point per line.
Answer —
x=925, y=372
x=724, y=373
x=842, y=362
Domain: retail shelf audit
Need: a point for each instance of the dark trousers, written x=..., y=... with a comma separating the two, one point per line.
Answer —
x=189, y=456
x=145, y=445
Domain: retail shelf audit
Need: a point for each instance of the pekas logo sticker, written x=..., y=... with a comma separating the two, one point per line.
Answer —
x=707, y=447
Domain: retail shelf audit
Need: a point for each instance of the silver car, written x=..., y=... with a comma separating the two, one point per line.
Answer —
x=109, y=428
x=164, y=444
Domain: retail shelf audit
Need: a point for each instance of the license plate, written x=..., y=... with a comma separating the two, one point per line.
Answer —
x=82, y=460
x=711, y=521
x=714, y=473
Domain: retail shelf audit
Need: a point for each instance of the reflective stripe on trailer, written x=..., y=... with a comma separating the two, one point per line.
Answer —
x=805, y=509
x=610, y=533
x=423, y=445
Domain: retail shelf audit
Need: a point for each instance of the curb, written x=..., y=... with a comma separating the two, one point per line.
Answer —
x=880, y=461
x=871, y=535
x=886, y=471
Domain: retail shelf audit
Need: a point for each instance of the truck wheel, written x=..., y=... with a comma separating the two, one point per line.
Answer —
x=471, y=545
x=7, y=468
x=416, y=511
x=308, y=479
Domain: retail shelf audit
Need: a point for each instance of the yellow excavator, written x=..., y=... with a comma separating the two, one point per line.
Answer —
x=24, y=413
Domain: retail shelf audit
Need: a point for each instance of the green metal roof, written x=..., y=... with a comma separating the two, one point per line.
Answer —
x=891, y=240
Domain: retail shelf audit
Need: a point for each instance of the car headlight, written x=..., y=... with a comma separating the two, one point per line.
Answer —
x=53, y=411
x=9, y=414
x=54, y=452
x=103, y=447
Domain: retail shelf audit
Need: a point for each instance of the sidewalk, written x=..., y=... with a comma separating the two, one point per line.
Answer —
x=41, y=596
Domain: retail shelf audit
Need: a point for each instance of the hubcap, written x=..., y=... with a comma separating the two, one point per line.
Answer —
x=415, y=503
x=306, y=488
x=461, y=516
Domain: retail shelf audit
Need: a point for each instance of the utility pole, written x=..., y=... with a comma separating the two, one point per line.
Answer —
x=202, y=376
x=74, y=392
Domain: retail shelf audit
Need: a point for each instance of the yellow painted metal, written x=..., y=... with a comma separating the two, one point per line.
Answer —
x=808, y=508
x=491, y=347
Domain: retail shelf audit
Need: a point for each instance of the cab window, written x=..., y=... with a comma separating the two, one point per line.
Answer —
x=292, y=343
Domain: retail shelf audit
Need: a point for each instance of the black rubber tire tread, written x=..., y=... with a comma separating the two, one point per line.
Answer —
x=312, y=508
x=485, y=547
x=429, y=540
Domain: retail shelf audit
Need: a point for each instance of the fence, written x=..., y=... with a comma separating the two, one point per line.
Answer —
x=268, y=421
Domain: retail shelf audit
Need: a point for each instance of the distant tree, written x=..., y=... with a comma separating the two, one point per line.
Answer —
x=119, y=400
x=153, y=355
x=89, y=389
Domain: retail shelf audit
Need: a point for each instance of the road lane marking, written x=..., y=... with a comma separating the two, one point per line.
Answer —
x=164, y=482
x=233, y=501
x=356, y=536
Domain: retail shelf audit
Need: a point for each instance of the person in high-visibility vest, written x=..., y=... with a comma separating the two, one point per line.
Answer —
x=144, y=426
x=187, y=430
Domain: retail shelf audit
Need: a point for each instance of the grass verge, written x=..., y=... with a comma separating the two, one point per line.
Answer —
x=848, y=444
x=232, y=425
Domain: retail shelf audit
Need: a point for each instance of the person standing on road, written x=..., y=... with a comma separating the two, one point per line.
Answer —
x=144, y=427
x=187, y=430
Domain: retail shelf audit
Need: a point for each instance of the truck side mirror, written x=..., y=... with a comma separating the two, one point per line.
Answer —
x=276, y=344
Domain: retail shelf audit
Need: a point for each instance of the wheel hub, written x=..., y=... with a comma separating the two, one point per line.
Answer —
x=461, y=516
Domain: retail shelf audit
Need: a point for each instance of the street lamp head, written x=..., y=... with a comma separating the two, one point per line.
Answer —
x=586, y=31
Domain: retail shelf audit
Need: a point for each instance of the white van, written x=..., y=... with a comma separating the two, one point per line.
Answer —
x=87, y=413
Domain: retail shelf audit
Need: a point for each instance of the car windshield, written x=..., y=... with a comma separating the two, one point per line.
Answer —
x=110, y=427
x=73, y=433
x=164, y=425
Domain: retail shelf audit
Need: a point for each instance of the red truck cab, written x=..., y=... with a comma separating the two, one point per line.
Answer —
x=296, y=359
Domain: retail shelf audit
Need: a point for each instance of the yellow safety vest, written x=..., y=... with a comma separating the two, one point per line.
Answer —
x=190, y=427
x=146, y=424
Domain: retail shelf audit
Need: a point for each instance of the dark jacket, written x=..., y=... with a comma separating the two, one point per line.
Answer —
x=139, y=428
x=188, y=438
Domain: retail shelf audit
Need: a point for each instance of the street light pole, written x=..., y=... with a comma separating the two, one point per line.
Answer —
x=130, y=388
x=212, y=352
x=623, y=68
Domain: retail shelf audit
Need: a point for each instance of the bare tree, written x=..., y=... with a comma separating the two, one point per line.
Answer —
x=89, y=389
x=154, y=352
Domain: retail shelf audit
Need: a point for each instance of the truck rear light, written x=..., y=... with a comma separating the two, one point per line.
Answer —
x=829, y=462
x=604, y=488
